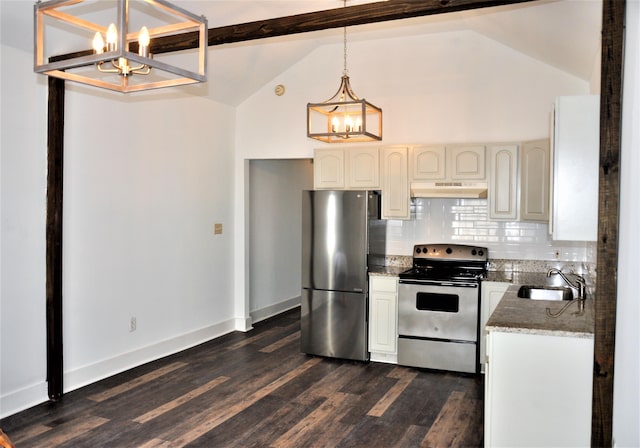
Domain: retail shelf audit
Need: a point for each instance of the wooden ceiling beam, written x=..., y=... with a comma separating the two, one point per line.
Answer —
x=382, y=11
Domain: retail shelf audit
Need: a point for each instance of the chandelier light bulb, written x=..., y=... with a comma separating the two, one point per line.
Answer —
x=143, y=42
x=335, y=124
x=348, y=124
x=98, y=43
x=112, y=38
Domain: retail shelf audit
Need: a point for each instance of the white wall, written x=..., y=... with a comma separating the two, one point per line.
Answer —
x=140, y=207
x=626, y=396
x=146, y=178
x=276, y=234
x=23, y=164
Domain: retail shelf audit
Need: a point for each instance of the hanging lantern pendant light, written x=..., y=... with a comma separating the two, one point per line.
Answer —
x=117, y=54
x=344, y=117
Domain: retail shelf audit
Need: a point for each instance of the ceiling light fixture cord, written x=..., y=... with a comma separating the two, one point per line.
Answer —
x=345, y=72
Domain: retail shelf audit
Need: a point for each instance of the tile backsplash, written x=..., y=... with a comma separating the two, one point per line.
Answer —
x=466, y=221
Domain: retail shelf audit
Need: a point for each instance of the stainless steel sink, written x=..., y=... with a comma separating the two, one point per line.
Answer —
x=545, y=292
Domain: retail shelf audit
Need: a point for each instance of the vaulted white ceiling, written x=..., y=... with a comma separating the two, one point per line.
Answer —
x=562, y=33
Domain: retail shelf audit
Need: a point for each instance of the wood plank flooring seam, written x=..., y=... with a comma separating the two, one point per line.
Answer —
x=110, y=393
x=156, y=443
x=405, y=377
x=29, y=433
x=458, y=417
x=294, y=337
x=67, y=431
x=180, y=400
x=292, y=438
x=251, y=339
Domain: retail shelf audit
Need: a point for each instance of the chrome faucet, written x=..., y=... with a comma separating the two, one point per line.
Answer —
x=580, y=285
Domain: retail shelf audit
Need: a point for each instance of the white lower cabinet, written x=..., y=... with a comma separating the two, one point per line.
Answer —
x=538, y=390
x=383, y=318
x=492, y=293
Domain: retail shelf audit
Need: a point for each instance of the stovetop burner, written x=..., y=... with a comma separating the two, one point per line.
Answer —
x=443, y=273
x=447, y=262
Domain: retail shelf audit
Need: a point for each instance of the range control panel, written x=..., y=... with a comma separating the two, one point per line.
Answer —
x=452, y=252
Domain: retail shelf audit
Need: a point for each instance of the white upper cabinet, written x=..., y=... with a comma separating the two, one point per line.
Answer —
x=534, y=181
x=575, y=151
x=352, y=168
x=395, y=183
x=503, y=185
x=466, y=162
x=363, y=168
x=439, y=163
x=328, y=169
x=519, y=181
x=428, y=163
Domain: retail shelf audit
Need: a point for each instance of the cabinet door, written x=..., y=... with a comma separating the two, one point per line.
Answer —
x=328, y=169
x=576, y=168
x=503, y=182
x=383, y=315
x=534, y=181
x=363, y=168
x=492, y=293
x=395, y=183
x=466, y=162
x=538, y=390
x=428, y=163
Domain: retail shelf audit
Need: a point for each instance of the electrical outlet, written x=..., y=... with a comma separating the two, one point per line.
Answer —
x=133, y=324
x=217, y=229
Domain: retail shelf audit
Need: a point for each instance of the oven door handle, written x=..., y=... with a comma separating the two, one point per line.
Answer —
x=439, y=283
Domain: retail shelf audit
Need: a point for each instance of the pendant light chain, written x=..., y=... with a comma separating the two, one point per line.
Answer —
x=345, y=72
x=344, y=118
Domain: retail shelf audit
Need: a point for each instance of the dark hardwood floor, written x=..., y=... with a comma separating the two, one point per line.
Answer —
x=256, y=389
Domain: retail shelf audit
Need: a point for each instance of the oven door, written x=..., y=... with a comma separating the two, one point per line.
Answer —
x=438, y=325
x=438, y=310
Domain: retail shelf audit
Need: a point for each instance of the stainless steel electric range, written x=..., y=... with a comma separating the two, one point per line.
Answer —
x=439, y=307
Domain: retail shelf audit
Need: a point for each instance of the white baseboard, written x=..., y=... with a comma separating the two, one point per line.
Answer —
x=275, y=309
x=83, y=376
x=243, y=324
x=23, y=399
x=384, y=357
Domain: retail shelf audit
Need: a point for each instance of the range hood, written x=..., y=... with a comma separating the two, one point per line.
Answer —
x=474, y=190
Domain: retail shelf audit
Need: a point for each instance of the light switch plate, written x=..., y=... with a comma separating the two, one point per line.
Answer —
x=217, y=229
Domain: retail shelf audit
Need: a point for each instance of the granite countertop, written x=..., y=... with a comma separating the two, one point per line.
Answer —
x=387, y=271
x=515, y=315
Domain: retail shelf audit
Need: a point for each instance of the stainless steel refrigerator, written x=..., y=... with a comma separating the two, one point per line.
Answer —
x=342, y=238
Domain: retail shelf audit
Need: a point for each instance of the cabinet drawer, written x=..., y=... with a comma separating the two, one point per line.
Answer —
x=384, y=284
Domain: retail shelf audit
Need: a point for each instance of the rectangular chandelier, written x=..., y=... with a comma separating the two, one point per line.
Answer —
x=345, y=118
x=110, y=43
